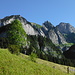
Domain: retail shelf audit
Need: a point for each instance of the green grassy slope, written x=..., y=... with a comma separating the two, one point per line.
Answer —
x=11, y=64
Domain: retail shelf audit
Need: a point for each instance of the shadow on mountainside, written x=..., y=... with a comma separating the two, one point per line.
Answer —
x=70, y=53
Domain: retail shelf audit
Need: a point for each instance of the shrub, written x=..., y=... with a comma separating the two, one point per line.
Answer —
x=14, y=49
x=33, y=57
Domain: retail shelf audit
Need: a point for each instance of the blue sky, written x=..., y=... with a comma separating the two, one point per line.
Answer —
x=39, y=11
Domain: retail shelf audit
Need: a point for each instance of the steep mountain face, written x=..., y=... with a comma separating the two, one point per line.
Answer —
x=65, y=28
x=28, y=27
x=68, y=31
x=56, y=37
x=46, y=27
x=53, y=33
x=63, y=35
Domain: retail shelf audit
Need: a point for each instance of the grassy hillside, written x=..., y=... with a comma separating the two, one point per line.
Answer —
x=11, y=64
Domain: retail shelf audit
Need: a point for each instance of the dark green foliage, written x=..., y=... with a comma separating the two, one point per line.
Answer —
x=14, y=49
x=16, y=34
x=29, y=50
x=41, y=41
x=4, y=28
x=4, y=42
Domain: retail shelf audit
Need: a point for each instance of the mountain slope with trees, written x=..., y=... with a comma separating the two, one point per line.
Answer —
x=45, y=41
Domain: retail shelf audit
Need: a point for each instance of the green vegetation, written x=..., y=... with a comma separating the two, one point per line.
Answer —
x=69, y=44
x=14, y=49
x=11, y=64
x=43, y=47
x=28, y=44
x=4, y=42
x=36, y=25
x=33, y=57
x=16, y=34
x=66, y=44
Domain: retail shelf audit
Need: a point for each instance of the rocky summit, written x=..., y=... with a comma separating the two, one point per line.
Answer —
x=65, y=28
x=53, y=33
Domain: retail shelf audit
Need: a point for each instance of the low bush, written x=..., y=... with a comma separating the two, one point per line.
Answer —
x=33, y=57
x=14, y=49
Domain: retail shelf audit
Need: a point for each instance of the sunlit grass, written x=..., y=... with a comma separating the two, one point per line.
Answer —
x=11, y=64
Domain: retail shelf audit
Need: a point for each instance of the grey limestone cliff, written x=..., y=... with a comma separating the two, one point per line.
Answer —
x=65, y=28
x=53, y=33
x=26, y=25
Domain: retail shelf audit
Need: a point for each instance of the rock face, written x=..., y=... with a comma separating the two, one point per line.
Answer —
x=56, y=37
x=53, y=33
x=9, y=19
x=46, y=27
x=53, y=36
x=68, y=31
x=65, y=28
x=30, y=30
x=26, y=25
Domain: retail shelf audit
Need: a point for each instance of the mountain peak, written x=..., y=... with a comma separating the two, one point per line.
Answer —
x=65, y=28
x=8, y=19
x=12, y=16
x=64, y=24
x=48, y=25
